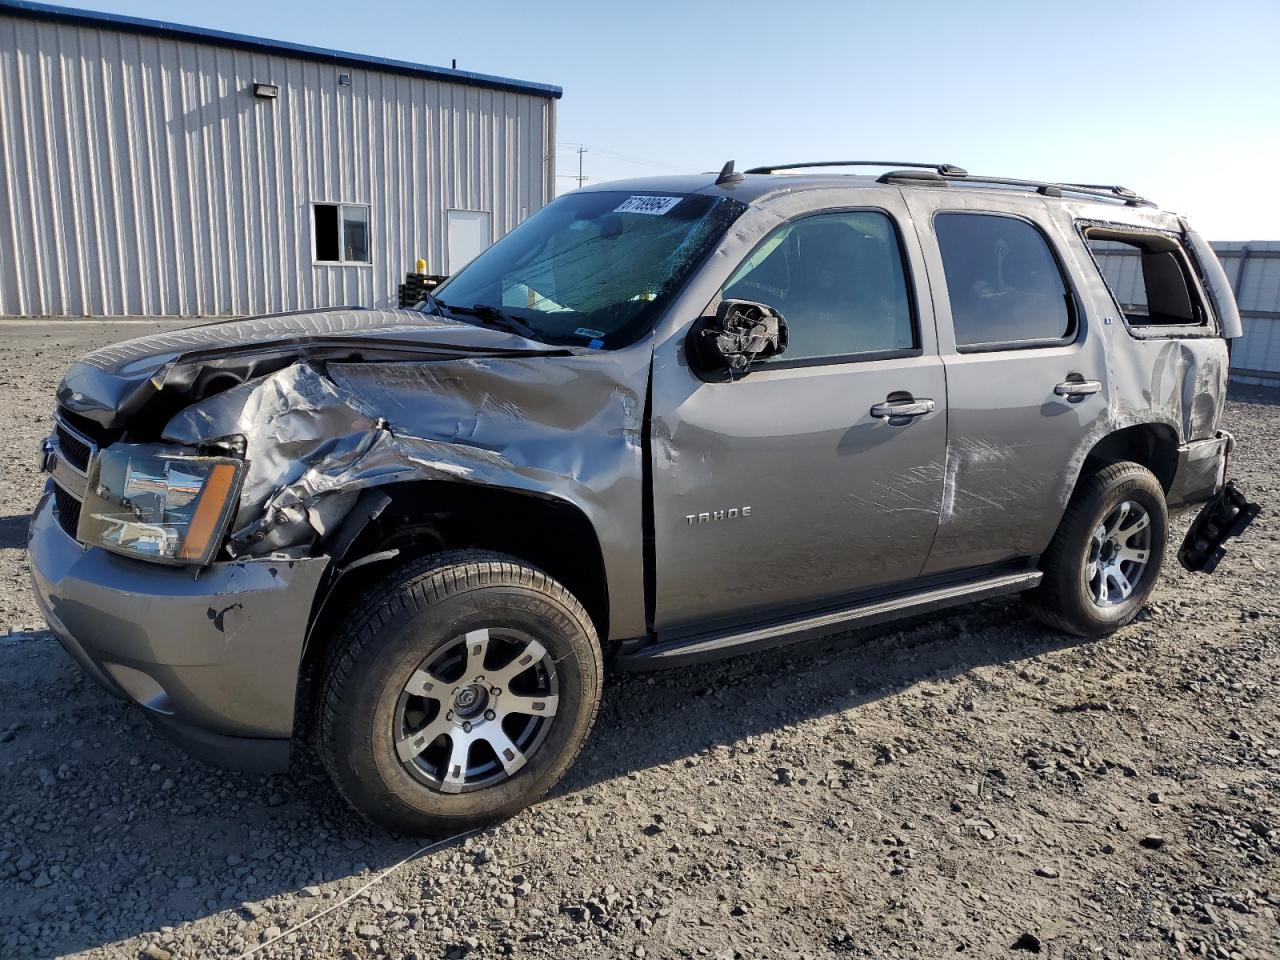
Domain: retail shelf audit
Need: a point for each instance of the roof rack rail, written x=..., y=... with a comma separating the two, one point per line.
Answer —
x=1118, y=190
x=946, y=169
x=912, y=172
x=1043, y=187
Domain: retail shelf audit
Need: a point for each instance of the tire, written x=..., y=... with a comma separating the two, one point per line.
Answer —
x=388, y=686
x=1080, y=593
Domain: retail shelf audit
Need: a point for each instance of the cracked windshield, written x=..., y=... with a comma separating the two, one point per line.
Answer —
x=593, y=268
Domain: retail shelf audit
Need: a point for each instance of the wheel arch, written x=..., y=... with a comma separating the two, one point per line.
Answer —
x=1153, y=445
x=418, y=518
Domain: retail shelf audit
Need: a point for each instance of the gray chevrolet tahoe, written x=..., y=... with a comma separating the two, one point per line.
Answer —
x=660, y=421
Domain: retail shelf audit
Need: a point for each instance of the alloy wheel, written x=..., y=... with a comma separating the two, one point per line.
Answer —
x=1119, y=551
x=474, y=712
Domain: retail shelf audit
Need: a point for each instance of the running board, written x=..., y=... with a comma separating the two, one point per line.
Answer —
x=700, y=647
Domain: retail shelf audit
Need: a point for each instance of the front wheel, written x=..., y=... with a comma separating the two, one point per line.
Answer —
x=457, y=693
x=1104, y=559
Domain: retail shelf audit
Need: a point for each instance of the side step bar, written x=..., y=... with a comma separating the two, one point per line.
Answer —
x=701, y=647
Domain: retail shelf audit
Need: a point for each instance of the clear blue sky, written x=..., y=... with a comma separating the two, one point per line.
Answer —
x=1179, y=100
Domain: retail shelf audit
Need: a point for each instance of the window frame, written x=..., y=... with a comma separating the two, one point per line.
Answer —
x=315, y=260
x=1209, y=327
x=908, y=276
x=1076, y=316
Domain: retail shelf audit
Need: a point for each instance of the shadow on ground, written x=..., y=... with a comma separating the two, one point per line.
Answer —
x=13, y=532
x=1253, y=393
x=89, y=775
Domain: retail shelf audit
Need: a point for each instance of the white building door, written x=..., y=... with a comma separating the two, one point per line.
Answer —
x=470, y=231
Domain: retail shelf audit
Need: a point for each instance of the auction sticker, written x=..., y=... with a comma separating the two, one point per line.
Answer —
x=650, y=206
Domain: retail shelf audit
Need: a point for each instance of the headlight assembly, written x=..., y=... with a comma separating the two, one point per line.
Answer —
x=146, y=500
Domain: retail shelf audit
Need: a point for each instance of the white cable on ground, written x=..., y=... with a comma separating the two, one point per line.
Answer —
x=429, y=848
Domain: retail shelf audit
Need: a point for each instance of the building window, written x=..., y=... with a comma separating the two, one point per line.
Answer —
x=341, y=232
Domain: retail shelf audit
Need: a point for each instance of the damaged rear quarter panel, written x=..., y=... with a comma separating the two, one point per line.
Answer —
x=1175, y=382
x=568, y=428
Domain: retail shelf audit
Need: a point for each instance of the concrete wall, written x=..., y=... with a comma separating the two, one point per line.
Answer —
x=139, y=175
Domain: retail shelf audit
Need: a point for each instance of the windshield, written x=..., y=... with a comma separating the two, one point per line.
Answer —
x=592, y=269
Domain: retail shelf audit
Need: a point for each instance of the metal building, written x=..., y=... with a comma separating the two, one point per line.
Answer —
x=153, y=169
x=1254, y=272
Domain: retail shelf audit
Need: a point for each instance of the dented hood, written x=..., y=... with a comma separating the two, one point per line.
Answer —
x=110, y=385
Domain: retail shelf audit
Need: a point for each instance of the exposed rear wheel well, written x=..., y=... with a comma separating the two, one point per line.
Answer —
x=1153, y=445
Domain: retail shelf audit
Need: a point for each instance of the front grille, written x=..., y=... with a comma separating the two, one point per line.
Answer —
x=67, y=510
x=74, y=449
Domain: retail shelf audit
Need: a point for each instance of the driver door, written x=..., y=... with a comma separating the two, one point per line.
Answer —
x=794, y=486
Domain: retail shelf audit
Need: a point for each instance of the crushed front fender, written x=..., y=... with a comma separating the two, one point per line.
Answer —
x=565, y=427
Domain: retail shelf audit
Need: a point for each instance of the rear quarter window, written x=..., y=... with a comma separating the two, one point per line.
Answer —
x=1150, y=278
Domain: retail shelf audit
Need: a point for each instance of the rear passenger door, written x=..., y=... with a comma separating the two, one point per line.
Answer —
x=1026, y=373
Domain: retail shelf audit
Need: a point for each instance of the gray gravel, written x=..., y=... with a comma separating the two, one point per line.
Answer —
x=964, y=783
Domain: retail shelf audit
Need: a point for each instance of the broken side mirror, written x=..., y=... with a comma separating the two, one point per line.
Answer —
x=740, y=333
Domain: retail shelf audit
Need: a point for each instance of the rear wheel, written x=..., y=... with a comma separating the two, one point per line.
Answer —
x=457, y=693
x=1106, y=555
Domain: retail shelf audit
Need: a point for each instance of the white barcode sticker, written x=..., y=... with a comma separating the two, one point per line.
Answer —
x=651, y=206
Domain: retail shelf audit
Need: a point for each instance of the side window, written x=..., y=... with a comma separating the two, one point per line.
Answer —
x=839, y=281
x=1149, y=276
x=1004, y=284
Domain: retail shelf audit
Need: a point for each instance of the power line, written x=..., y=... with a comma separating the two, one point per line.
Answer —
x=631, y=158
x=646, y=162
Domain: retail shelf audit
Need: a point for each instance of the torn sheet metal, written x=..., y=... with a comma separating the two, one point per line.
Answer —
x=315, y=436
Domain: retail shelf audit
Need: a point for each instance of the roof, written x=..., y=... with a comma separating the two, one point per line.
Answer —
x=222, y=38
x=754, y=187
x=750, y=188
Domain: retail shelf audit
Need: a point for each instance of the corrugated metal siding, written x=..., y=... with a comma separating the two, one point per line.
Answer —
x=139, y=175
x=1254, y=271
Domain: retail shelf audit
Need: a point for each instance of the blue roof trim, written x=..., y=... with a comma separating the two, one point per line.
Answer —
x=177, y=31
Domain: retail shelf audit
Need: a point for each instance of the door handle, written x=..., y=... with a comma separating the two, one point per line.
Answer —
x=1077, y=388
x=891, y=409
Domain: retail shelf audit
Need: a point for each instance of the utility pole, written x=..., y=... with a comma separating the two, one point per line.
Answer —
x=580, y=177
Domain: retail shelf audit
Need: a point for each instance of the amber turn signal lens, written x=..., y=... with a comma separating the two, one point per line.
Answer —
x=207, y=520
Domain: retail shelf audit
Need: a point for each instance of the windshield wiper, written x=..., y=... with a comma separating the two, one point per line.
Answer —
x=433, y=305
x=493, y=315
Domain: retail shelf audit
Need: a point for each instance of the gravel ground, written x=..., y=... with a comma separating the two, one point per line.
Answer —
x=964, y=783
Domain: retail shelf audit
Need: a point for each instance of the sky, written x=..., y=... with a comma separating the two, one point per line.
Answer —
x=1178, y=100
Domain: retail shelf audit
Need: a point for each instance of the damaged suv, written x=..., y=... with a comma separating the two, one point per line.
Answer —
x=660, y=421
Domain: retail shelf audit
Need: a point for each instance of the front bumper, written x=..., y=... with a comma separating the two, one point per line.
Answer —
x=211, y=653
